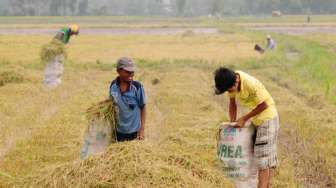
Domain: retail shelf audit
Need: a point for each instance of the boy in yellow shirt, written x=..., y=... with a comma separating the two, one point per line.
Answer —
x=252, y=94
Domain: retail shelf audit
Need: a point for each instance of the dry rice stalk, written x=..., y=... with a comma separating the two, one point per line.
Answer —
x=10, y=77
x=107, y=111
x=51, y=50
x=132, y=164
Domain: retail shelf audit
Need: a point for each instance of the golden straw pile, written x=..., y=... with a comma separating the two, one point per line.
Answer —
x=132, y=164
x=106, y=110
x=51, y=50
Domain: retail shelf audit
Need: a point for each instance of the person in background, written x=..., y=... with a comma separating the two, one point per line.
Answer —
x=65, y=33
x=270, y=43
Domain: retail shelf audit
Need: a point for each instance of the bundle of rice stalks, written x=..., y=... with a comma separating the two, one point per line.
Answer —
x=51, y=50
x=107, y=111
x=10, y=77
x=132, y=164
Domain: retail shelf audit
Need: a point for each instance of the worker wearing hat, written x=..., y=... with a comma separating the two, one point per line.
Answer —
x=131, y=101
x=271, y=44
x=65, y=33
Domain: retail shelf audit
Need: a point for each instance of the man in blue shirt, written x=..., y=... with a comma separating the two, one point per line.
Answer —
x=131, y=100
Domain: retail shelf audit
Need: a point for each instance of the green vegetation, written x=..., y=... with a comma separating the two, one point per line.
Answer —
x=306, y=62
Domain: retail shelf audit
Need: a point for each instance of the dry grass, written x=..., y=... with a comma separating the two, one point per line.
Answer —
x=134, y=164
x=183, y=115
x=51, y=50
x=108, y=112
x=167, y=112
x=108, y=48
x=303, y=132
x=105, y=109
x=10, y=77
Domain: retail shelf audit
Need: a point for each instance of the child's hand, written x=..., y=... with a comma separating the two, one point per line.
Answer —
x=141, y=135
x=240, y=122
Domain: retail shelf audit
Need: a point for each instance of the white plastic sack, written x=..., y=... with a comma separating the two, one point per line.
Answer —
x=97, y=138
x=53, y=72
x=234, y=149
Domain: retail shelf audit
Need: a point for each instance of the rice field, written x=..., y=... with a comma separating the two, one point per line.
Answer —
x=42, y=130
x=109, y=48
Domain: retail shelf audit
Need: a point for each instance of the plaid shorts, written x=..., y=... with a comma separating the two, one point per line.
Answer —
x=265, y=144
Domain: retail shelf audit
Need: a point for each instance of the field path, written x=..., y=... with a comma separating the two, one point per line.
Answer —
x=110, y=31
x=296, y=30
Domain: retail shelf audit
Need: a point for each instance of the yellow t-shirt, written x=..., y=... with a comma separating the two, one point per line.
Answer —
x=252, y=93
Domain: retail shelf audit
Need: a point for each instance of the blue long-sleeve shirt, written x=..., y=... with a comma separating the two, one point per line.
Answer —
x=130, y=104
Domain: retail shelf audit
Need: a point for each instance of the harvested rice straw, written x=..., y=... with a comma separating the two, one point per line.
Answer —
x=132, y=164
x=10, y=77
x=51, y=50
x=107, y=111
